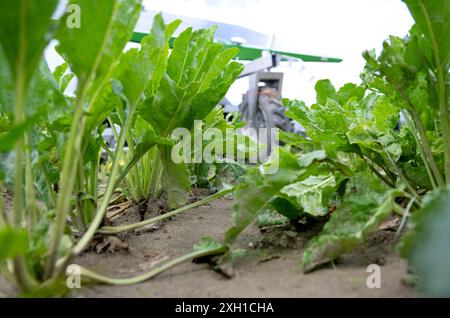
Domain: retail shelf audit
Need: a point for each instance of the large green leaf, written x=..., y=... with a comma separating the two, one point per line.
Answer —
x=92, y=49
x=365, y=206
x=327, y=121
x=7, y=87
x=432, y=17
x=198, y=76
x=260, y=189
x=175, y=179
x=186, y=88
x=13, y=242
x=14, y=133
x=406, y=73
x=426, y=243
x=308, y=194
x=24, y=34
x=136, y=69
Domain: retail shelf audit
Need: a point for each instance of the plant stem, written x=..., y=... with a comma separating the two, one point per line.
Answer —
x=51, y=193
x=375, y=171
x=443, y=113
x=426, y=149
x=22, y=275
x=29, y=188
x=21, y=272
x=135, y=173
x=19, y=178
x=423, y=144
x=128, y=227
x=405, y=217
x=416, y=138
x=111, y=185
x=3, y=216
x=403, y=178
x=141, y=278
x=128, y=177
x=67, y=182
x=441, y=80
x=156, y=173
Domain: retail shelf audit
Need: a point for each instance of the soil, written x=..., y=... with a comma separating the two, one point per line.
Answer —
x=268, y=268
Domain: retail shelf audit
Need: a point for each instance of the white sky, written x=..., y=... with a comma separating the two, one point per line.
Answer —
x=337, y=28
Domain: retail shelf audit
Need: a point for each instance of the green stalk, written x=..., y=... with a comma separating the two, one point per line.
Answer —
x=129, y=227
x=426, y=149
x=156, y=173
x=24, y=279
x=428, y=157
x=135, y=172
x=73, y=148
x=443, y=112
x=403, y=178
x=405, y=217
x=52, y=193
x=78, y=189
x=29, y=188
x=128, y=177
x=87, y=237
x=91, y=189
x=141, y=278
x=3, y=216
x=134, y=176
x=416, y=138
x=147, y=168
x=19, y=177
x=125, y=171
x=21, y=272
x=386, y=180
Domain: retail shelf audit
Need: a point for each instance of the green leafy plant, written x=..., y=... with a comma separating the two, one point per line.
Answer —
x=26, y=29
x=193, y=80
x=426, y=242
x=356, y=164
x=53, y=142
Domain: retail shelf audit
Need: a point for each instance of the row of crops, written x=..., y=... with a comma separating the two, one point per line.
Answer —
x=372, y=150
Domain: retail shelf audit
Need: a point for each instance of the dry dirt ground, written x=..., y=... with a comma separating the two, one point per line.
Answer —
x=269, y=268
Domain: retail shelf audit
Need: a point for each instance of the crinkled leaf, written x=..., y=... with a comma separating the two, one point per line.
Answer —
x=260, y=189
x=198, y=76
x=308, y=193
x=137, y=66
x=365, y=206
x=308, y=158
x=324, y=91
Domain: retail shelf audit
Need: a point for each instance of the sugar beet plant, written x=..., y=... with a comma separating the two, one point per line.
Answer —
x=196, y=77
x=51, y=143
x=359, y=165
